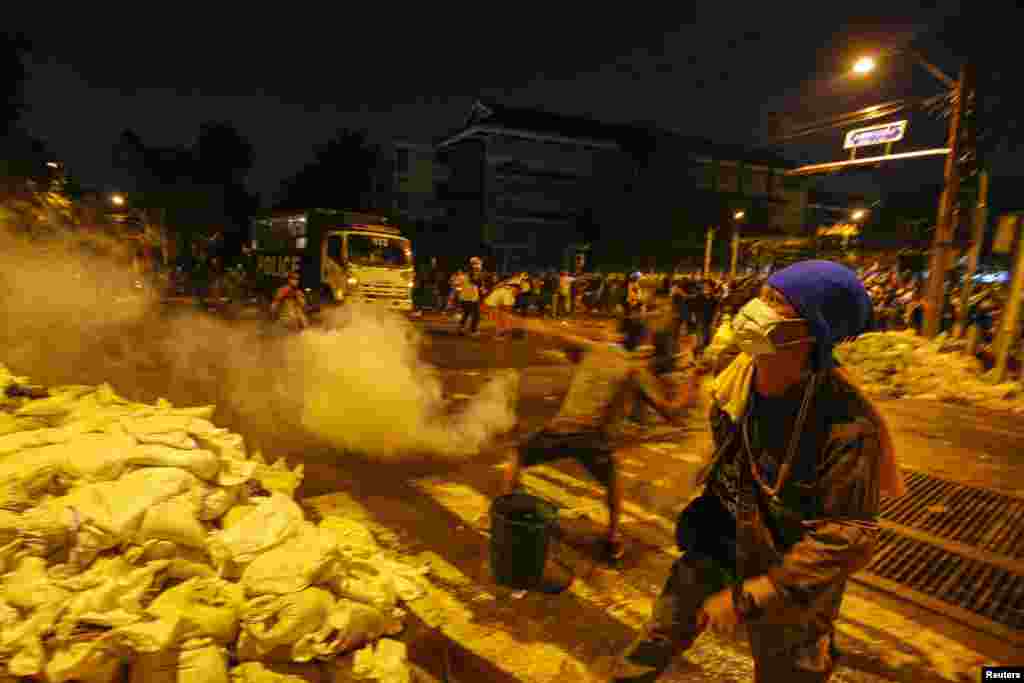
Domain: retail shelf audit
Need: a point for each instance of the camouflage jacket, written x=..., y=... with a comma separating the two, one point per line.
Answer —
x=795, y=551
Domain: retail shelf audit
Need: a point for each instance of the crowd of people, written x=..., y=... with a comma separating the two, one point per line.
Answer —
x=698, y=303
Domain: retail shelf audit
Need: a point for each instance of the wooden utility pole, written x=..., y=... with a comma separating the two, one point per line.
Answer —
x=708, y=243
x=735, y=250
x=942, y=246
x=1010, y=331
x=979, y=220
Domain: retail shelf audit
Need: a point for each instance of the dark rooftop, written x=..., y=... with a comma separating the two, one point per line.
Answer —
x=628, y=136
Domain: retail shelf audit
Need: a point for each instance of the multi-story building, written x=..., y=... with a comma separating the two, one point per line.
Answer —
x=531, y=187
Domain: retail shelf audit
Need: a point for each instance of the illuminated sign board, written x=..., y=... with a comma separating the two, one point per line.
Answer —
x=876, y=135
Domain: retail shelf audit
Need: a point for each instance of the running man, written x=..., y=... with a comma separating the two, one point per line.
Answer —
x=589, y=424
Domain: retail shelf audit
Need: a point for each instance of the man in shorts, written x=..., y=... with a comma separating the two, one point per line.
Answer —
x=589, y=425
x=501, y=301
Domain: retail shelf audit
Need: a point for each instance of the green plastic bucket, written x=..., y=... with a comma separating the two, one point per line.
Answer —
x=521, y=527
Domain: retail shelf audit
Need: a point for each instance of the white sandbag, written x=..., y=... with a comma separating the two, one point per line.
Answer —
x=275, y=519
x=213, y=502
x=111, y=587
x=22, y=645
x=278, y=478
x=29, y=586
x=91, y=457
x=349, y=625
x=89, y=662
x=234, y=471
x=203, y=663
x=385, y=661
x=350, y=535
x=272, y=621
x=174, y=520
x=202, y=464
x=179, y=439
x=294, y=565
x=44, y=531
x=149, y=637
x=158, y=424
x=15, y=442
x=10, y=523
x=57, y=405
x=9, y=616
x=224, y=443
x=107, y=513
x=184, y=562
x=409, y=581
x=204, y=413
x=363, y=581
x=11, y=425
x=235, y=516
x=206, y=607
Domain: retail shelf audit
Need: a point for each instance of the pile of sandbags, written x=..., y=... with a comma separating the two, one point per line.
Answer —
x=145, y=533
x=902, y=364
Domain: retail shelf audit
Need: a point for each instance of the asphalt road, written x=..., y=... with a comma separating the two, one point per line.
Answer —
x=438, y=507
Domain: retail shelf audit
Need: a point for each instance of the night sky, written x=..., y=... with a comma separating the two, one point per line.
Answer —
x=290, y=78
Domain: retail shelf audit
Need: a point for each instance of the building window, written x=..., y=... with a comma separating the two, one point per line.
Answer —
x=402, y=161
x=728, y=178
x=778, y=188
x=757, y=182
x=297, y=226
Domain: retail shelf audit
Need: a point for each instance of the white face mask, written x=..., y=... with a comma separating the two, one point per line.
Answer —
x=753, y=326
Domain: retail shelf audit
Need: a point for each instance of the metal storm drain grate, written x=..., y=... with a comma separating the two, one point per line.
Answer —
x=983, y=519
x=945, y=578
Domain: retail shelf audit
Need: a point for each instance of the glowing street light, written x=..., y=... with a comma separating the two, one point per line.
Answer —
x=864, y=65
x=53, y=164
x=117, y=199
x=739, y=215
x=859, y=215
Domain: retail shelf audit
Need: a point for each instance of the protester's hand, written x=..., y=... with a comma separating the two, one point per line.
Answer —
x=718, y=613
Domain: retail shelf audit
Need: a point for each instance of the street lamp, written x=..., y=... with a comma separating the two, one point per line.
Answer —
x=859, y=215
x=864, y=65
x=938, y=263
x=117, y=199
x=737, y=216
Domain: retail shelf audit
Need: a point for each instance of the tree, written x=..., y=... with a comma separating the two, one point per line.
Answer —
x=222, y=155
x=12, y=79
x=192, y=191
x=340, y=176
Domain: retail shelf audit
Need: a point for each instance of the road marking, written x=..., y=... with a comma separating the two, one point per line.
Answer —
x=531, y=662
x=625, y=604
x=944, y=656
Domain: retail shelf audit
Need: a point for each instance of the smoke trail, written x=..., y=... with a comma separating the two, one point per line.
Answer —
x=366, y=390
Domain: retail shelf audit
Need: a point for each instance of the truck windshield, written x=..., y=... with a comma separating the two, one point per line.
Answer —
x=374, y=250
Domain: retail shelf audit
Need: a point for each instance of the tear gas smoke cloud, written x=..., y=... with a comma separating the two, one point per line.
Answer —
x=360, y=386
x=366, y=390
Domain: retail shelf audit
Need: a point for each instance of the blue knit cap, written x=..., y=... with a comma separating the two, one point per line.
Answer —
x=831, y=298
